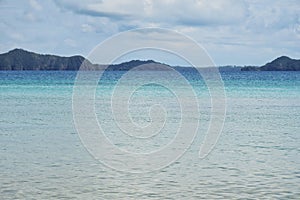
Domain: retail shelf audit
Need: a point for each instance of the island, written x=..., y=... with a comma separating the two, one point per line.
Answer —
x=20, y=59
x=282, y=63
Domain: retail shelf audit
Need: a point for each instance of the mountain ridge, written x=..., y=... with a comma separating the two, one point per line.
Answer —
x=282, y=63
x=20, y=59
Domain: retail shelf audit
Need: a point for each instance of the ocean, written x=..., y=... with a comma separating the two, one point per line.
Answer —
x=257, y=155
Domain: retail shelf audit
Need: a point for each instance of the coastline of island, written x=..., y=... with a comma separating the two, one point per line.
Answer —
x=19, y=59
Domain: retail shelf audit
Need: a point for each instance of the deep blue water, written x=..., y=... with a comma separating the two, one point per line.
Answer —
x=257, y=155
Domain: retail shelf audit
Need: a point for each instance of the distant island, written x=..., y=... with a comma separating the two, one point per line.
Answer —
x=19, y=59
x=282, y=63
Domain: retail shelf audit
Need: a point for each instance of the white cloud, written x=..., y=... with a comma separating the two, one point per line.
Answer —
x=273, y=15
x=30, y=16
x=189, y=12
x=87, y=28
x=252, y=29
x=201, y=12
x=35, y=5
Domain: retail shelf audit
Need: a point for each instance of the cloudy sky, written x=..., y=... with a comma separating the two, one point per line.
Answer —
x=238, y=32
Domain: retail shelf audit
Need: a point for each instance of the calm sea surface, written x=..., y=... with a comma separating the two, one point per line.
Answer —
x=257, y=155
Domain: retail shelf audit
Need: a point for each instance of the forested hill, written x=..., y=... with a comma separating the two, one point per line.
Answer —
x=19, y=59
x=282, y=63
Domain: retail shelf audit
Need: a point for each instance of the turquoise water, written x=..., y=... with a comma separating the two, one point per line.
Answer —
x=257, y=155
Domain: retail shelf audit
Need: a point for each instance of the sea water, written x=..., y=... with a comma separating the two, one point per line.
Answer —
x=257, y=155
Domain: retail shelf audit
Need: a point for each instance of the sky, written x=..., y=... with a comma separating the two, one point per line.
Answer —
x=233, y=32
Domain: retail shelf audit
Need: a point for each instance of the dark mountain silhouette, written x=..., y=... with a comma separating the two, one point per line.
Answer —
x=282, y=63
x=143, y=65
x=19, y=59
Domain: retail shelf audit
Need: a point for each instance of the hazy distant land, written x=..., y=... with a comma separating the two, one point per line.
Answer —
x=19, y=59
x=282, y=63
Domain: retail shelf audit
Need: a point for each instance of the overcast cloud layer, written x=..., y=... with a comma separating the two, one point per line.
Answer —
x=241, y=32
